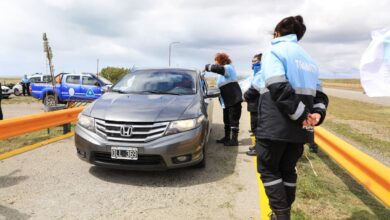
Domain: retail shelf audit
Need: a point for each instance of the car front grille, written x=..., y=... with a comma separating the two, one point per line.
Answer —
x=142, y=159
x=5, y=90
x=141, y=132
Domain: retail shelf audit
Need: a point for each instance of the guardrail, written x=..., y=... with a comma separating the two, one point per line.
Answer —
x=372, y=174
x=25, y=124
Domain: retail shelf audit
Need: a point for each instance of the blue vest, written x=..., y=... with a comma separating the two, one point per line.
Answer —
x=287, y=61
x=230, y=76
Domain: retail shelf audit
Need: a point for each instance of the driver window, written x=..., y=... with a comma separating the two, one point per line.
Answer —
x=90, y=81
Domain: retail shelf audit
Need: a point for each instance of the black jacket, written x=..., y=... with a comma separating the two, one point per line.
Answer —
x=252, y=98
x=277, y=102
x=230, y=92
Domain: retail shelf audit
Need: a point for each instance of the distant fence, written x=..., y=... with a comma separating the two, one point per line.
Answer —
x=17, y=126
x=372, y=174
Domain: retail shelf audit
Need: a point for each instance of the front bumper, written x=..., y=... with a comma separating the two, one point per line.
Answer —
x=155, y=155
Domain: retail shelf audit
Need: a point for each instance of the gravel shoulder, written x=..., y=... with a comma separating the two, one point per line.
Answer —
x=52, y=183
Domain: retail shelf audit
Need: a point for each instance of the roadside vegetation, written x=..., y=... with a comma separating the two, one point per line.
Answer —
x=350, y=84
x=28, y=139
x=333, y=193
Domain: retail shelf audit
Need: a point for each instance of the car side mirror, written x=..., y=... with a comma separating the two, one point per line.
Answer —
x=212, y=93
x=106, y=88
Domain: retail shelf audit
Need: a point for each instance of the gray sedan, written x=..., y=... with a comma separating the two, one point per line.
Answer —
x=152, y=119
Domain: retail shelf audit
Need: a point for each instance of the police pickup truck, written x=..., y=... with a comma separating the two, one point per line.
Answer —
x=71, y=87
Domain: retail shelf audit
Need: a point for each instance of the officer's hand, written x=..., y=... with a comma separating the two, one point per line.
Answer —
x=312, y=119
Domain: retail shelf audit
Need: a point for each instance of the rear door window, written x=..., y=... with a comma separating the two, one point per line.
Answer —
x=90, y=81
x=73, y=79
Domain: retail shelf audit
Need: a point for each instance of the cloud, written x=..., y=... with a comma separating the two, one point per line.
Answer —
x=127, y=33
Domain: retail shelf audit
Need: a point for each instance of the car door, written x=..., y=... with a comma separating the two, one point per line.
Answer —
x=90, y=87
x=207, y=102
x=71, y=89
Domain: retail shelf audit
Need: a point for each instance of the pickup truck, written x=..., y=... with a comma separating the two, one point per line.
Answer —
x=71, y=87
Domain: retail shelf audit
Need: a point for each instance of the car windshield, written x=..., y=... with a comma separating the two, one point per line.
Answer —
x=174, y=82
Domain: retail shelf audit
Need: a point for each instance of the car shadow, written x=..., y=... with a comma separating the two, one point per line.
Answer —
x=10, y=213
x=221, y=162
x=11, y=180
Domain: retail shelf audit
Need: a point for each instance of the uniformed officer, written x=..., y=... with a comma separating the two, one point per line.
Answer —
x=230, y=98
x=251, y=96
x=291, y=102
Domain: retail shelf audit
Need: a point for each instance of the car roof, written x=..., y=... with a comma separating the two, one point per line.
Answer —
x=169, y=68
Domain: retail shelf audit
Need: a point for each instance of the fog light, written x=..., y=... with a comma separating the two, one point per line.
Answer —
x=182, y=159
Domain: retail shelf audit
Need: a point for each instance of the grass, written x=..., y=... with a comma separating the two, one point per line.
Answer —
x=334, y=194
x=349, y=84
x=4, y=80
x=28, y=139
x=20, y=100
x=367, y=125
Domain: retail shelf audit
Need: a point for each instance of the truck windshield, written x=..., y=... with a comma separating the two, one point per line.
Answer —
x=174, y=82
x=104, y=80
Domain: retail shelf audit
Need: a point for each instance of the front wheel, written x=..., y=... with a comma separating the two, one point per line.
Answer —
x=49, y=100
x=17, y=92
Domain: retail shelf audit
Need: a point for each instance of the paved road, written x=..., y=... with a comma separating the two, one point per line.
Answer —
x=52, y=183
x=359, y=96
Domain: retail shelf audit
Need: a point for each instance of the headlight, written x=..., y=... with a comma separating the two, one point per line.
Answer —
x=87, y=122
x=184, y=125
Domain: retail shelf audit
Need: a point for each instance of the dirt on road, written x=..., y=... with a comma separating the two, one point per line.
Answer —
x=52, y=183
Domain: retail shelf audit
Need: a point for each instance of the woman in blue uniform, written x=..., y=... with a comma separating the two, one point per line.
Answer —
x=291, y=101
x=231, y=97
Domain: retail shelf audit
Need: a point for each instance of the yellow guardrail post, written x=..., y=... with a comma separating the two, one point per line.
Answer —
x=372, y=174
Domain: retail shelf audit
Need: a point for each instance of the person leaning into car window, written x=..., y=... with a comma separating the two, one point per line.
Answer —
x=291, y=103
x=230, y=98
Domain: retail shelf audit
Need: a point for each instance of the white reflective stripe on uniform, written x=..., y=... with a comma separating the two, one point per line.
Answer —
x=226, y=82
x=319, y=105
x=275, y=79
x=273, y=182
x=299, y=111
x=263, y=91
x=290, y=184
x=305, y=91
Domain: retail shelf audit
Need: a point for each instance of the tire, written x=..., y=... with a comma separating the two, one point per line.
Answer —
x=17, y=92
x=49, y=100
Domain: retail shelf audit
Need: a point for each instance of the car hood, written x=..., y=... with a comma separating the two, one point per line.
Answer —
x=140, y=108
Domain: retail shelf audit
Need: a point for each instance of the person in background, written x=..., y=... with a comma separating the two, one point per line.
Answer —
x=1, y=97
x=25, y=84
x=230, y=98
x=251, y=96
x=291, y=103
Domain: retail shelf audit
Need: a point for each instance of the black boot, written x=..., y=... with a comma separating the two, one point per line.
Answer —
x=280, y=214
x=226, y=138
x=234, y=140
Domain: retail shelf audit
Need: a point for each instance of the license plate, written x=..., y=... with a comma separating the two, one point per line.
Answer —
x=125, y=153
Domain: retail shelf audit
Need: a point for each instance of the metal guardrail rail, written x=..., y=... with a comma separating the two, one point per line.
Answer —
x=372, y=174
x=17, y=126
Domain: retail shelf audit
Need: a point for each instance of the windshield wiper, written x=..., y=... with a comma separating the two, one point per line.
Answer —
x=161, y=92
x=118, y=91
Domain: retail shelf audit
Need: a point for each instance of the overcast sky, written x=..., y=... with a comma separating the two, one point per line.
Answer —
x=137, y=33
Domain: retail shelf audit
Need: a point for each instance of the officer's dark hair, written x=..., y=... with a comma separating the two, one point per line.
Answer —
x=291, y=25
x=258, y=56
x=222, y=58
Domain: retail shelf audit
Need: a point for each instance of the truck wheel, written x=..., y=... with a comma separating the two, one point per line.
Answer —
x=49, y=100
x=17, y=92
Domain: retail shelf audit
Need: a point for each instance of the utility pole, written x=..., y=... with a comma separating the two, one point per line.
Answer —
x=97, y=67
x=170, y=50
x=49, y=56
